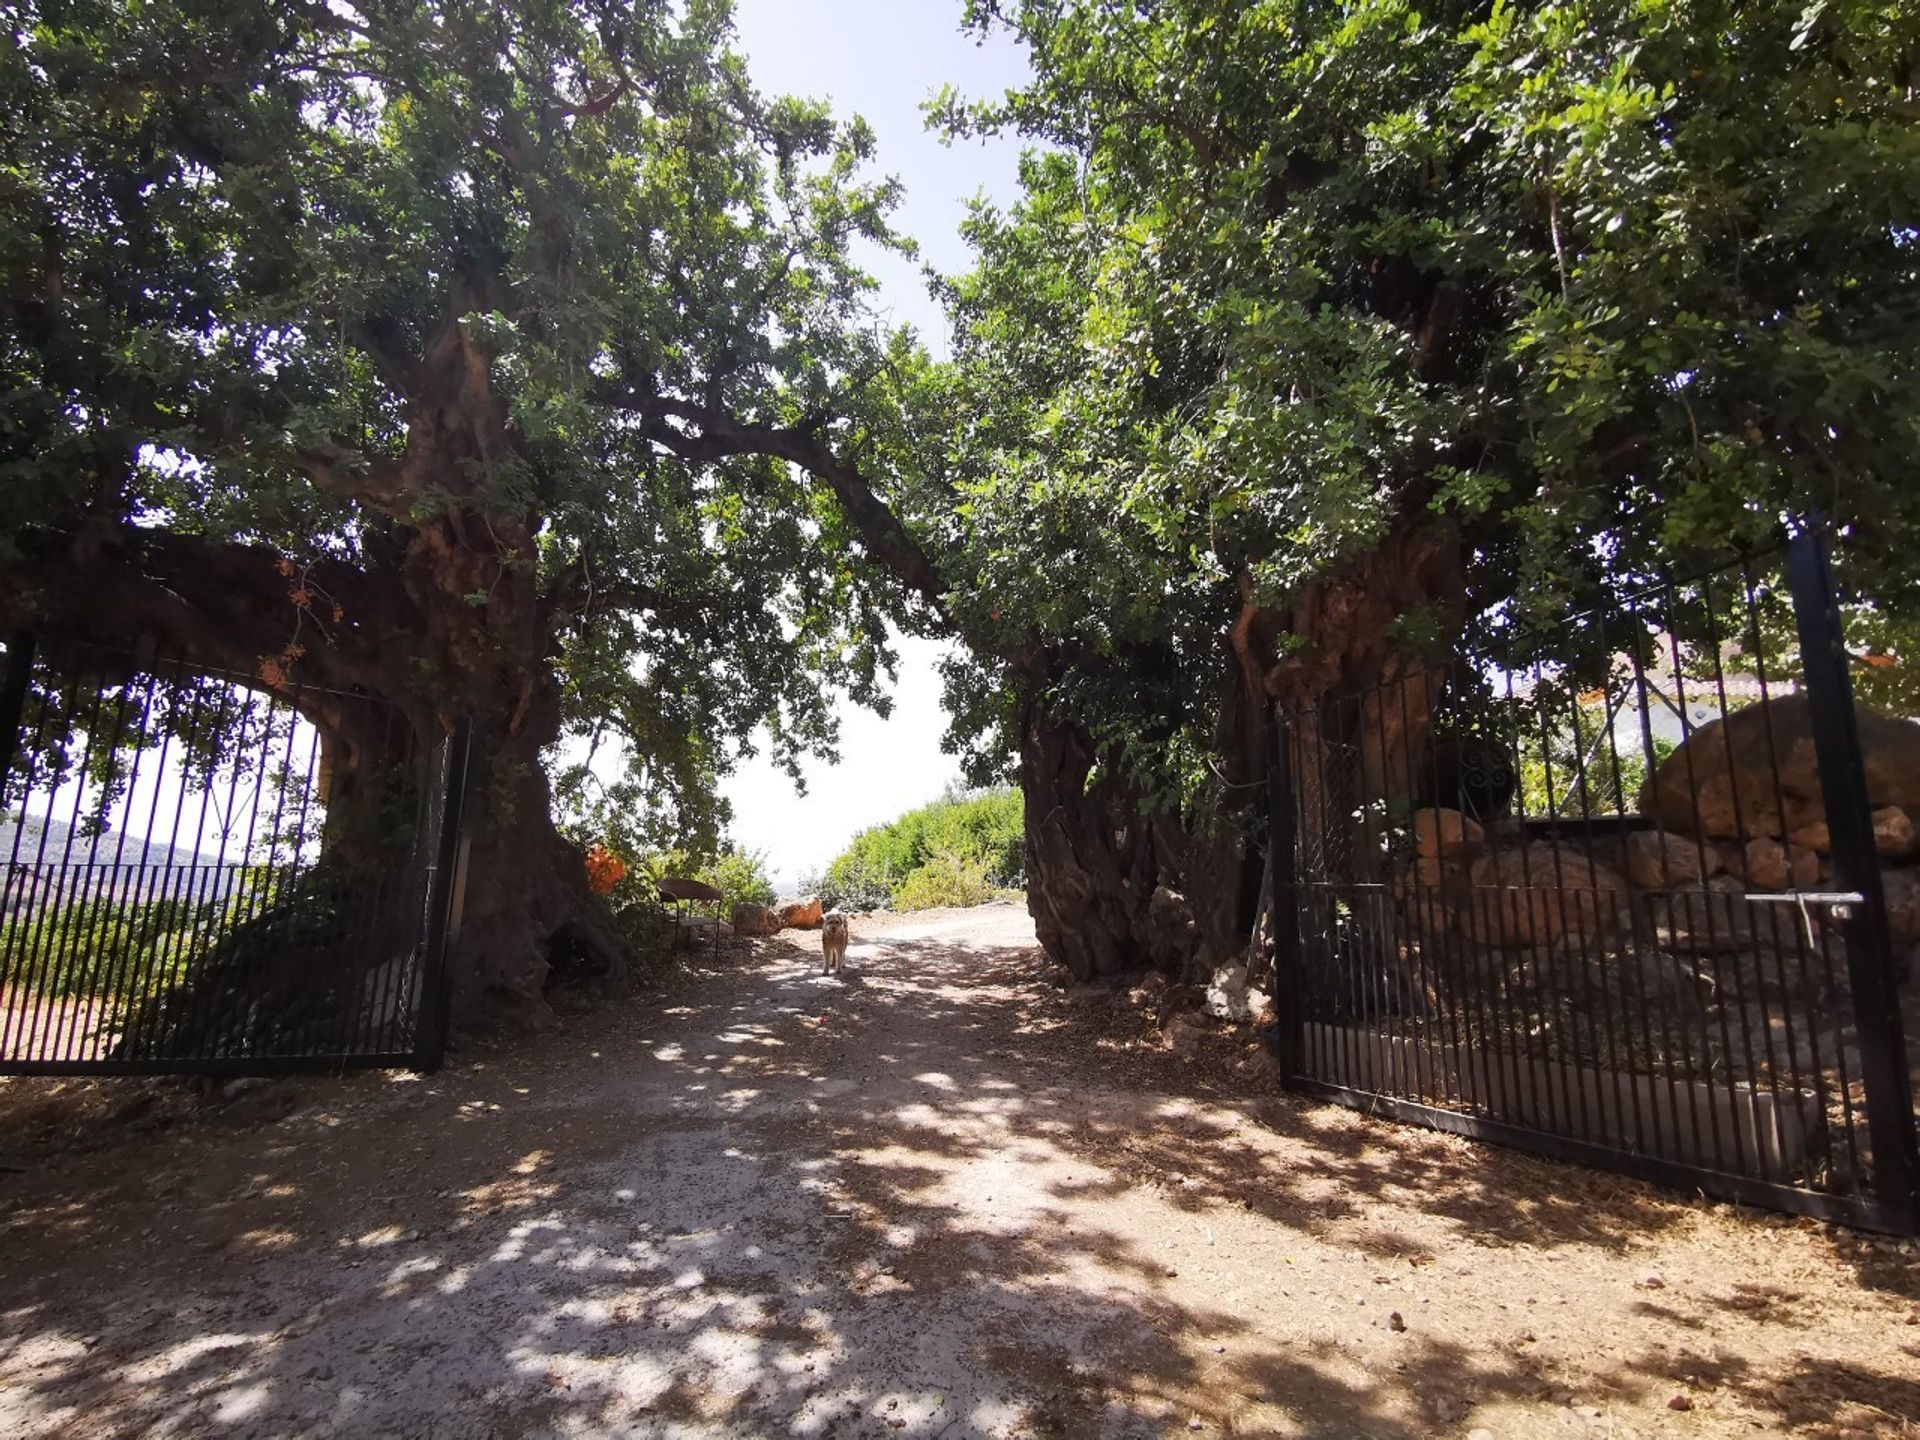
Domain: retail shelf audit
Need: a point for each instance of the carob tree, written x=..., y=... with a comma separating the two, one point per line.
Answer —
x=496, y=360
x=1324, y=336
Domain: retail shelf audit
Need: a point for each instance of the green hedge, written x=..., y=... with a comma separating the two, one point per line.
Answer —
x=956, y=851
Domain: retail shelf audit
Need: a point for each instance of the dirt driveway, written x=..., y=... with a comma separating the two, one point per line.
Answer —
x=942, y=1197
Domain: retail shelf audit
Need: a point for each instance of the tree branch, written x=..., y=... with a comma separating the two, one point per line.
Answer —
x=218, y=604
x=719, y=436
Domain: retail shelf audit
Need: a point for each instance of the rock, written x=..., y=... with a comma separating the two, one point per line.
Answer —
x=755, y=920
x=1815, y=837
x=1227, y=994
x=1437, y=831
x=1172, y=935
x=802, y=914
x=1178, y=1001
x=1901, y=889
x=1260, y=1064
x=1803, y=868
x=1893, y=832
x=1183, y=1033
x=1724, y=773
x=1537, y=894
x=1765, y=864
x=1662, y=860
x=1150, y=991
x=1714, y=921
x=1679, y=1402
x=1733, y=860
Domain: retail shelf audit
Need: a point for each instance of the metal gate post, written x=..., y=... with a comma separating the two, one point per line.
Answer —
x=1283, y=922
x=446, y=887
x=1856, y=869
x=13, y=703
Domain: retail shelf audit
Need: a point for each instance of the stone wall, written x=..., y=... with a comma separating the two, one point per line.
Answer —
x=1736, y=811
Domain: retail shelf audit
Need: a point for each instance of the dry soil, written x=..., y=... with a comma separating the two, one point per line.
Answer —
x=940, y=1196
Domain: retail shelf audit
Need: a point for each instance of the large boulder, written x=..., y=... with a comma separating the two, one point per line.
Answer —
x=1436, y=831
x=1662, y=860
x=755, y=920
x=1764, y=864
x=802, y=914
x=1539, y=894
x=1893, y=832
x=1721, y=781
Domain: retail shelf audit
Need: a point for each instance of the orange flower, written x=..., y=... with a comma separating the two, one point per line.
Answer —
x=604, y=870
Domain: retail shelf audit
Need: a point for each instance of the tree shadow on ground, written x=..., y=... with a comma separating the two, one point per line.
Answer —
x=936, y=1196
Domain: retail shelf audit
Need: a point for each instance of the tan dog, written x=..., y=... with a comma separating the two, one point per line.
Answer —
x=833, y=941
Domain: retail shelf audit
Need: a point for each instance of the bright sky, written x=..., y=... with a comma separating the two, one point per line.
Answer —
x=879, y=59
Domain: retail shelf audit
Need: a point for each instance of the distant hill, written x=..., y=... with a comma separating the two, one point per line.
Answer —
x=45, y=860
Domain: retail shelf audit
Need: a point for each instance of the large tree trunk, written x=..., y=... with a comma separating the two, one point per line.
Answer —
x=1357, y=701
x=408, y=653
x=528, y=911
x=1114, y=888
x=529, y=915
x=1091, y=866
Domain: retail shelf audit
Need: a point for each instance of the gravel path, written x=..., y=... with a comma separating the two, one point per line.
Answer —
x=938, y=1197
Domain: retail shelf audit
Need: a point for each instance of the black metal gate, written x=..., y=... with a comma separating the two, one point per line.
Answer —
x=1643, y=903
x=216, y=873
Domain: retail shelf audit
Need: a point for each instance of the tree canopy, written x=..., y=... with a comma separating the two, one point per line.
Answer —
x=512, y=360
x=498, y=359
x=1588, y=286
x=1323, y=333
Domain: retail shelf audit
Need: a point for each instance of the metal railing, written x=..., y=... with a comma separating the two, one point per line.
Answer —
x=1621, y=901
x=204, y=872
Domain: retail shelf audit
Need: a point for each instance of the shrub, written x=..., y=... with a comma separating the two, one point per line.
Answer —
x=88, y=947
x=947, y=879
x=739, y=875
x=984, y=832
x=645, y=924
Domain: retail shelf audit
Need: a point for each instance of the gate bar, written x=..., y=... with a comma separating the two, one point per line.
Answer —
x=435, y=993
x=1856, y=867
x=13, y=703
x=1284, y=918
